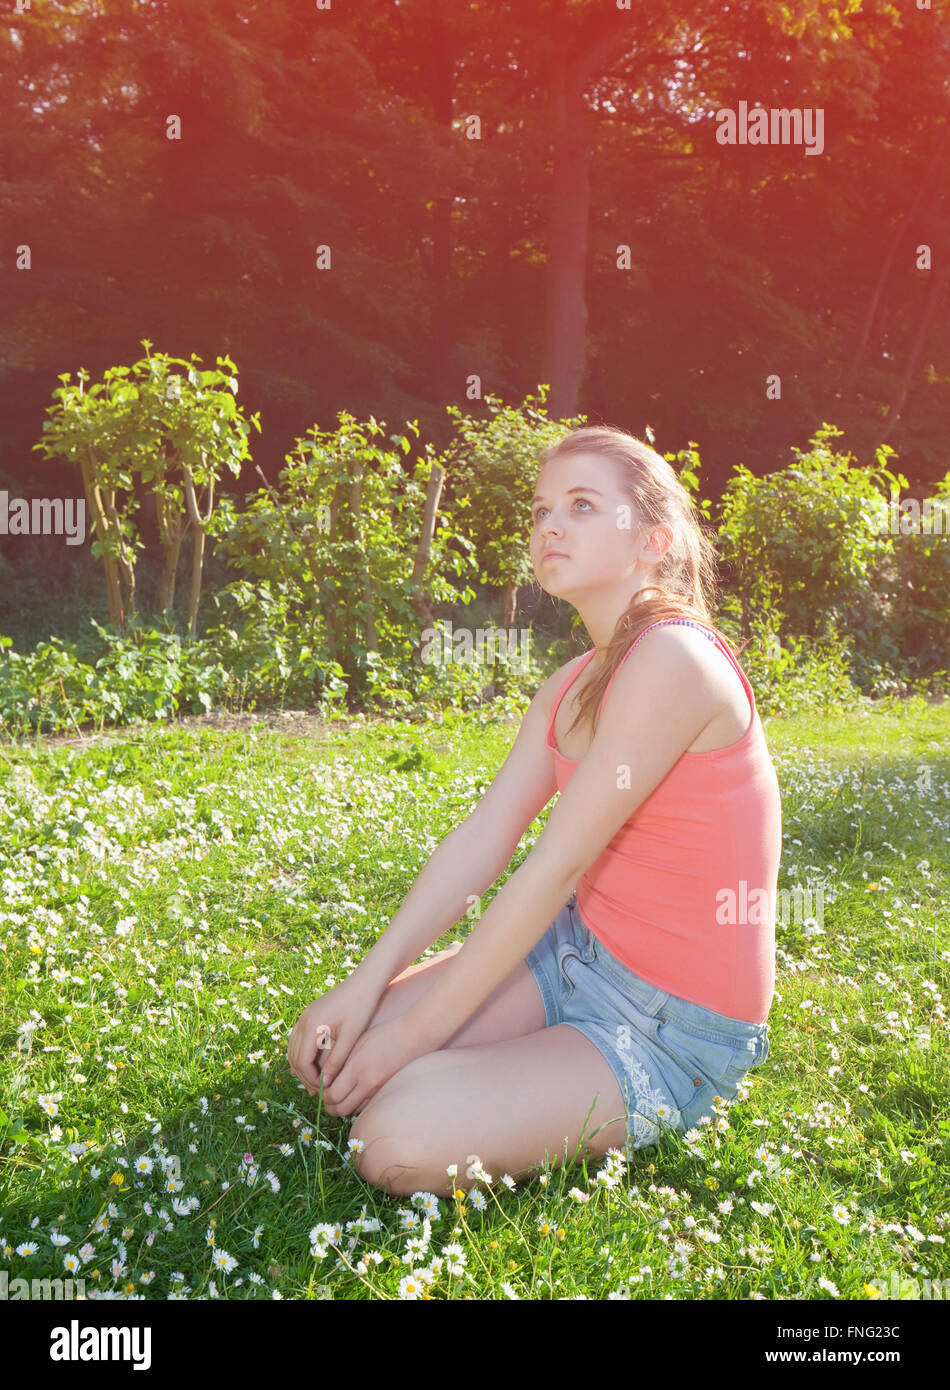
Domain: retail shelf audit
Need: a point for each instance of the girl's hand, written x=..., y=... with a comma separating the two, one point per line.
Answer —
x=326, y=1030
x=374, y=1058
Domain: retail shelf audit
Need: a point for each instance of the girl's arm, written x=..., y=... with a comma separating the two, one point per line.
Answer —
x=662, y=700
x=470, y=858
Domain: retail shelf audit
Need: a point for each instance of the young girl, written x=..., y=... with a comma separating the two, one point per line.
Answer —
x=622, y=977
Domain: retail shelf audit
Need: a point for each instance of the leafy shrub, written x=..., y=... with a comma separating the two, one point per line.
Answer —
x=143, y=675
x=327, y=559
x=914, y=584
x=795, y=674
x=46, y=689
x=505, y=683
x=270, y=656
x=806, y=540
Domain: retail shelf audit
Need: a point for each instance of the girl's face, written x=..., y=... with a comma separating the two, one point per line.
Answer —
x=586, y=535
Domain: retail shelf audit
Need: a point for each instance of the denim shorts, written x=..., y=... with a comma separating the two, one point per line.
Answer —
x=670, y=1056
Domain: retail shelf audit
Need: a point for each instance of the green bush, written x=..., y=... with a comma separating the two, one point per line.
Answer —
x=149, y=674
x=143, y=675
x=507, y=684
x=327, y=558
x=271, y=657
x=915, y=585
x=806, y=540
x=795, y=674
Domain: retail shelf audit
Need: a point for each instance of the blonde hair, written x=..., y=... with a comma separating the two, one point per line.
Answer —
x=686, y=576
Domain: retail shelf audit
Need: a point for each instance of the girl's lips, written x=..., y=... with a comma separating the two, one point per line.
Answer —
x=554, y=555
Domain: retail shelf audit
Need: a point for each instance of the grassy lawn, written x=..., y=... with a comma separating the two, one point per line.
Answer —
x=172, y=897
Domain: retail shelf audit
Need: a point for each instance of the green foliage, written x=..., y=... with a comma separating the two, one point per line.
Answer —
x=807, y=536
x=269, y=652
x=46, y=689
x=505, y=679
x=796, y=674
x=140, y=675
x=914, y=587
x=687, y=464
x=327, y=608
x=174, y=432
x=326, y=559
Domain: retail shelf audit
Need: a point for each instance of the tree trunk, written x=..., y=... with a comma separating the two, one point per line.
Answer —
x=441, y=327
x=566, y=295
x=509, y=605
x=565, y=332
x=199, y=524
x=369, y=616
x=420, y=599
x=197, y=565
x=910, y=211
x=125, y=561
x=166, y=593
x=713, y=205
x=101, y=528
x=169, y=537
x=930, y=304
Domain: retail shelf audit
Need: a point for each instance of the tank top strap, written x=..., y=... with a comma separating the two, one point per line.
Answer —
x=707, y=631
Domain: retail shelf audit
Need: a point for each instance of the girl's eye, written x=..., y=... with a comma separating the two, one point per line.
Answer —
x=539, y=510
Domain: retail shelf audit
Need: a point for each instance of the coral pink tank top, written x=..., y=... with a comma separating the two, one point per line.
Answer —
x=684, y=894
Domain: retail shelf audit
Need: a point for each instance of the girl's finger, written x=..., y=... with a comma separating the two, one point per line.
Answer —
x=344, y=1104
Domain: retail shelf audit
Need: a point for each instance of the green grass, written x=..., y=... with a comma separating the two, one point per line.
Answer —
x=173, y=897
